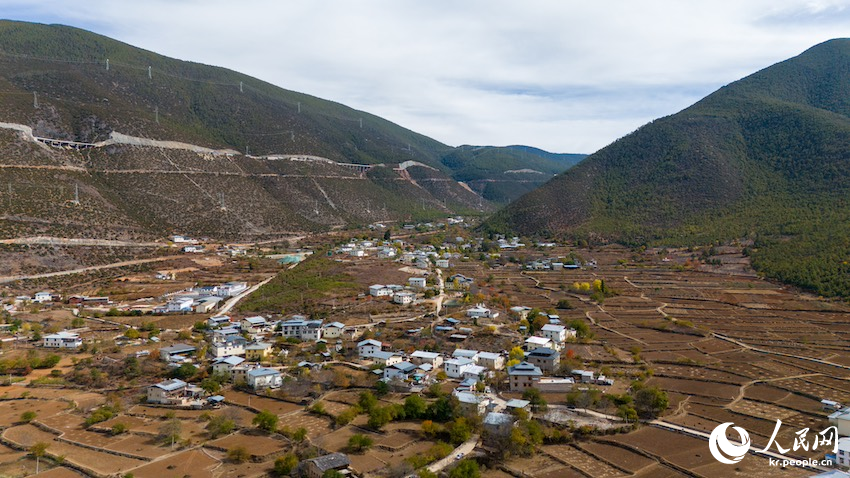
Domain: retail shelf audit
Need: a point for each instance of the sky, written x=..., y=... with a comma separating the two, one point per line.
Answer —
x=562, y=75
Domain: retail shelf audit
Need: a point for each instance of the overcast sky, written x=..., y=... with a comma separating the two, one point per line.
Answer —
x=562, y=75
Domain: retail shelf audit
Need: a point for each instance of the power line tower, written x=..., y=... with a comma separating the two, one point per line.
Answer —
x=76, y=201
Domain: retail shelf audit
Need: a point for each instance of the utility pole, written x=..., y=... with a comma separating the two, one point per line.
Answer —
x=107, y=64
x=240, y=87
x=150, y=73
x=361, y=123
x=292, y=135
x=34, y=99
x=299, y=106
x=156, y=113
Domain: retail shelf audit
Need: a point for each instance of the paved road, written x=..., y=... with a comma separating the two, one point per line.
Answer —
x=235, y=300
x=465, y=448
x=5, y=279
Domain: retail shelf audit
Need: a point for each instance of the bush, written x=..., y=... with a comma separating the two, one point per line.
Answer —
x=28, y=416
x=266, y=420
x=118, y=429
x=358, y=443
x=285, y=465
x=238, y=454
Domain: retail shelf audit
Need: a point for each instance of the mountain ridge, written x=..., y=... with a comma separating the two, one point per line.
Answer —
x=763, y=159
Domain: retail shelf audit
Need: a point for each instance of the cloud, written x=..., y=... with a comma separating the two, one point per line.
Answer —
x=566, y=76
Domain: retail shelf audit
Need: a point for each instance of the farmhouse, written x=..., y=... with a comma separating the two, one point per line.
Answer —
x=333, y=330
x=470, y=404
x=545, y=358
x=417, y=282
x=173, y=392
x=42, y=297
x=403, y=298
x=63, y=340
x=386, y=358
x=400, y=371
x=255, y=325
x=167, y=353
x=479, y=311
x=224, y=366
x=841, y=421
x=231, y=289
x=556, y=333
x=467, y=354
x=262, y=377
x=231, y=345
x=179, y=304
x=259, y=351
x=455, y=368
x=218, y=321
x=420, y=357
x=316, y=467
x=496, y=427
x=490, y=360
x=367, y=348
x=534, y=342
x=380, y=290
x=523, y=376
x=300, y=328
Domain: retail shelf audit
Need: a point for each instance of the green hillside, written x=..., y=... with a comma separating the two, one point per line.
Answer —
x=766, y=158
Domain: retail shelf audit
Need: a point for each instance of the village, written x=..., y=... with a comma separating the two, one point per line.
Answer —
x=418, y=350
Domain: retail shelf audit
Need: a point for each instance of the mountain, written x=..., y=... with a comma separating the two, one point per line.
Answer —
x=503, y=174
x=766, y=158
x=265, y=160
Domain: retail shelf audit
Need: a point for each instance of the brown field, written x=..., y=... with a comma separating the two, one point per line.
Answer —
x=257, y=445
x=11, y=410
x=316, y=426
x=191, y=463
x=278, y=407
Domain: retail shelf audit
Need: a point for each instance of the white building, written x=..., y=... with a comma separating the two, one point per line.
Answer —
x=62, y=340
x=841, y=421
x=42, y=297
x=231, y=289
x=403, y=298
x=301, y=328
x=380, y=290
x=224, y=365
x=367, y=348
x=333, y=330
x=443, y=263
x=534, y=342
x=842, y=454
x=179, y=304
x=490, y=360
x=263, y=377
x=418, y=282
x=455, y=368
x=467, y=354
x=232, y=345
x=386, y=358
x=479, y=311
x=255, y=325
x=556, y=333
x=420, y=356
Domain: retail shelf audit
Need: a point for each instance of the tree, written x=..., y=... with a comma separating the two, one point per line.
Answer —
x=220, y=425
x=564, y=304
x=28, y=416
x=430, y=429
x=381, y=388
x=466, y=469
x=132, y=368
x=650, y=401
x=380, y=416
x=169, y=432
x=131, y=333
x=238, y=454
x=266, y=420
x=414, y=407
x=359, y=443
x=184, y=372
x=516, y=353
x=459, y=430
x=284, y=465
x=537, y=401
x=581, y=328
x=118, y=429
x=367, y=401
x=38, y=450
x=627, y=413
x=210, y=385
x=300, y=434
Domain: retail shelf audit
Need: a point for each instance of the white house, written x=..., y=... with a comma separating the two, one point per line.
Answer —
x=173, y=392
x=474, y=372
x=232, y=345
x=534, y=342
x=420, y=357
x=255, y=325
x=333, y=330
x=456, y=367
x=490, y=360
x=62, y=340
x=403, y=298
x=386, y=358
x=218, y=321
x=179, y=304
x=380, y=290
x=464, y=353
x=841, y=421
x=224, y=365
x=443, y=263
x=471, y=404
x=400, y=371
x=367, y=348
x=42, y=297
x=479, y=311
x=231, y=289
x=263, y=377
x=556, y=333
x=417, y=282
x=301, y=328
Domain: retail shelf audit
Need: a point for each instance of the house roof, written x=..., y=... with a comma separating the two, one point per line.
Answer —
x=262, y=372
x=553, y=327
x=171, y=385
x=535, y=340
x=467, y=397
x=336, y=325
x=496, y=419
x=330, y=461
x=425, y=355
x=460, y=362
x=525, y=368
x=369, y=342
x=178, y=349
x=258, y=346
x=383, y=355
x=544, y=352
x=231, y=360
x=62, y=335
x=475, y=369
x=517, y=403
x=405, y=367
x=488, y=355
x=256, y=320
x=464, y=353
